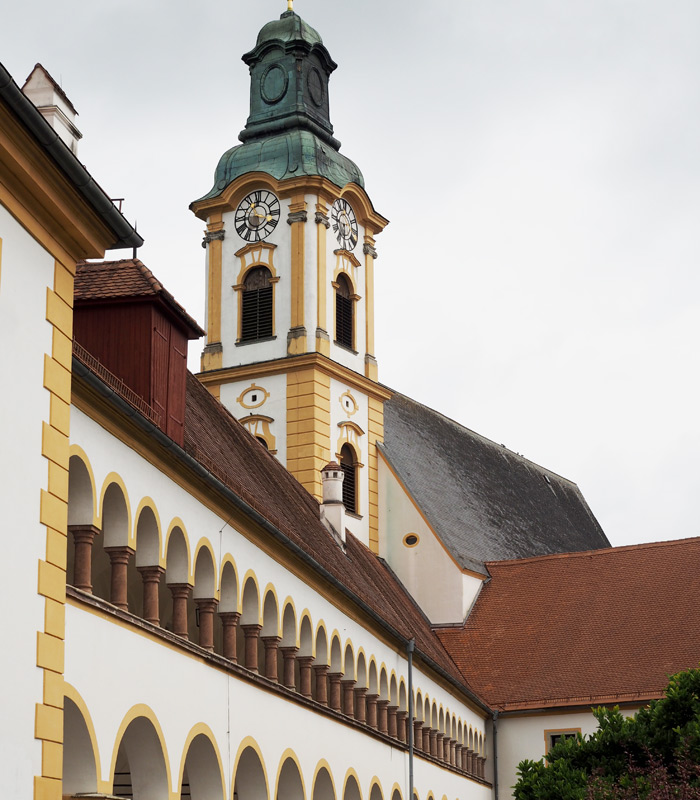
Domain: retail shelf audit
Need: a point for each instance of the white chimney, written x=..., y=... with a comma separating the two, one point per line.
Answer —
x=332, y=508
x=53, y=104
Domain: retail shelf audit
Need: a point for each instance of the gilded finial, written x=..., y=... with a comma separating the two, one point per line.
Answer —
x=290, y=5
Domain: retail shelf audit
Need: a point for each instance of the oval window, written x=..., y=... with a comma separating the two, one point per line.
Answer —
x=411, y=539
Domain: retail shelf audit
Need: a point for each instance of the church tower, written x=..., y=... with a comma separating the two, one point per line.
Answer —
x=290, y=252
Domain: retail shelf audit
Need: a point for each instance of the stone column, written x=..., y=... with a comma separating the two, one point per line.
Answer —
x=382, y=706
x=348, y=698
x=372, y=710
x=401, y=726
x=229, y=621
x=481, y=764
x=250, y=657
x=391, y=727
x=151, y=584
x=206, y=607
x=334, y=679
x=427, y=746
x=271, y=644
x=470, y=761
x=119, y=559
x=458, y=756
x=453, y=753
x=418, y=734
x=305, y=675
x=439, y=749
x=321, y=671
x=180, y=593
x=361, y=703
x=83, y=538
x=289, y=659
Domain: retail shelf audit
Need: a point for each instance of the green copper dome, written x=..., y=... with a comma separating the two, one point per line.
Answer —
x=288, y=28
x=288, y=132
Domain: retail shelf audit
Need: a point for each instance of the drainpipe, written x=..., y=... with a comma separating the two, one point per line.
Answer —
x=495, y=755
x=410, y=647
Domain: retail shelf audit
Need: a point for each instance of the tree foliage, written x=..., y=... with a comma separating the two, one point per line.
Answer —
x=653, y=755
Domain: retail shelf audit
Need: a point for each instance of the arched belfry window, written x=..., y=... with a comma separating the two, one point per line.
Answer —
x=256, y=305
x=347, y=464
x=344, y=323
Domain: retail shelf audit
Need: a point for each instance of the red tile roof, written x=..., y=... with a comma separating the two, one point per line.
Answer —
x=582, y=628
x=222, y=445
x=125, y=279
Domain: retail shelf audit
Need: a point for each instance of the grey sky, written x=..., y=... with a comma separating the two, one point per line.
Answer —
x=539, y=164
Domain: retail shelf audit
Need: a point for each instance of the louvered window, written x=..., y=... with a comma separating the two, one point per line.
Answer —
x=256, y=305
x=347, y=464
x=344, y=313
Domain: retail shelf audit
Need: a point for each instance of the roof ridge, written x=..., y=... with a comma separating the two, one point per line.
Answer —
x=598, y=552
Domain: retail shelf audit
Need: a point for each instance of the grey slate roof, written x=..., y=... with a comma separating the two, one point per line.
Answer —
x=485, y=502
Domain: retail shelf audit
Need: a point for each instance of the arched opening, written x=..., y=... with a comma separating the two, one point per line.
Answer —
x=249, y=629
x=376, y=792
x=147, y=558
x=344, y=313
x=226, y=630
x=348, y=463
x=177, y=613
x=205, y=601
x=256, y=305
x=81, y=531
x=79, y=767
x=352, y=790
x=287, y=666
x=201, y=776
x=139, y=772
x=289, y=784
x=112, y=564
x=250, y=781
x=323, y=786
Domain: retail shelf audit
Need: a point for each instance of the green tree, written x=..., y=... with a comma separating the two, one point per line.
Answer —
x=654, y=754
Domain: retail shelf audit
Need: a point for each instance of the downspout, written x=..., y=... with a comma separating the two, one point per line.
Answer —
x=410, y=647
x=495, y=755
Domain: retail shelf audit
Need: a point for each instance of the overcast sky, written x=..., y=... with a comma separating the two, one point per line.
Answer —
x=540, y=165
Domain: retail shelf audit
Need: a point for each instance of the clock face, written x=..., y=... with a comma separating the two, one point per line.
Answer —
x=257, y=215
x=344, y=224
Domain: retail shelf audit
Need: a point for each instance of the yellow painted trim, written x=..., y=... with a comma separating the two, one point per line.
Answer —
x=78, y=452
x=205, y=544
x=201, y=729
x=262, y=254
x=289, y=603
x=322, y=344
x=253, y=388
x=148, y=502
x=135, y=712
x=396, y=788
x=115, y=478
x=74, y=696
x=289, y=755
x=248, y=742
x=251, y=576
x=270, y=590
x=549, y=731
x=351, y=773
x=352, y=673
x=214, y=279
x=297, y=204
x=229, y=559
x=323, y=765
x=375, y=782
x=321, y=626
x=258, y=426
x=176, y=522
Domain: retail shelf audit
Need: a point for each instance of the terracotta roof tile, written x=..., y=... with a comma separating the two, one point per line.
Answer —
x=124, y=279
x=587, y=628
x=220, y=442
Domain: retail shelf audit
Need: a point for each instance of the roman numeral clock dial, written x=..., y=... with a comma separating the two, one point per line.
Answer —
x=344, y=224
x=257, y=215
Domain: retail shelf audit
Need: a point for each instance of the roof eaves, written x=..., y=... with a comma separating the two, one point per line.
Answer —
x=66, y=161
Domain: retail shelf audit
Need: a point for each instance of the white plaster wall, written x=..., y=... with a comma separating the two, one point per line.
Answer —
x=521, y=737
x=438, y=585
x=182, y=691
x=359, y=527
x=274, y=406
x=107, y=454
x=231, y=266
x=26, y=271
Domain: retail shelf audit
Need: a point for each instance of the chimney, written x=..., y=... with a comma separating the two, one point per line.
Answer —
x=54, y=106
x=332, y=508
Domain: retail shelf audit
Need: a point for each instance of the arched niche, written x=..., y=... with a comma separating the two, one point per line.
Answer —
x=140, y=771
x=201, y=774
x=79, y=764
x=250, y=781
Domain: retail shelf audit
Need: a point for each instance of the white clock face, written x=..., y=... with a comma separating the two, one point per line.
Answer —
x=344, y=224
x=257, y=215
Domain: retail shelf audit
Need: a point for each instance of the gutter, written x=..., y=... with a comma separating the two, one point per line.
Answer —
x=61, y=155
x=495, y=755
x=166, y=442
